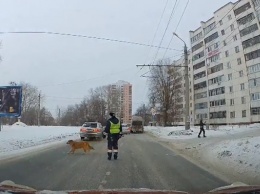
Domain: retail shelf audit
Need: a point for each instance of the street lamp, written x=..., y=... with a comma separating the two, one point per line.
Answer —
x=186, y=118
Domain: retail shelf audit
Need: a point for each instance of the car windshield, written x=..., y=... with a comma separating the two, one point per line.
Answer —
x=91, y=125
x=182, y=77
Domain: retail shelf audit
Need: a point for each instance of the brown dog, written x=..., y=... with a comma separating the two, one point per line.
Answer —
x=78, y=145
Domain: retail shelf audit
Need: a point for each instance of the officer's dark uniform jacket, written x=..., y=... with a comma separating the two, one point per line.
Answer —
x=113, y=126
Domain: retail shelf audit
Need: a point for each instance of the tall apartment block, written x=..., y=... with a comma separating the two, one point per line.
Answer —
x=225, y=66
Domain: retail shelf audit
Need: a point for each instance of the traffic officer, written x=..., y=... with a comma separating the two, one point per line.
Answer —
x=113, y=131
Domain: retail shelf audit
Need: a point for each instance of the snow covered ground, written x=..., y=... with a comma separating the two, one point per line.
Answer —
x=235, y=150
x=19, y=139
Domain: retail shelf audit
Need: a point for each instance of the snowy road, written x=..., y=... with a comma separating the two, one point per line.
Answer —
x=143, y=163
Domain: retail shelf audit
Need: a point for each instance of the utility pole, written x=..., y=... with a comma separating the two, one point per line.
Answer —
x=59, y=115
x=187, y=90
x=187, y=85
x=39, y=108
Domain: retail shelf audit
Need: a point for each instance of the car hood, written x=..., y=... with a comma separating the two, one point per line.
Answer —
x=11, y=187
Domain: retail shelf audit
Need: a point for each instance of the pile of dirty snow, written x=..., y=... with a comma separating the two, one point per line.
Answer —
x=20, y=124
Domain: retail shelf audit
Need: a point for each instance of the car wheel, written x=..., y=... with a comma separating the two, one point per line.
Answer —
x=82, y=138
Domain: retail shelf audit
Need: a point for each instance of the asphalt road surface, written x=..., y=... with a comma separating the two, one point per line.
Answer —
x=142, y=163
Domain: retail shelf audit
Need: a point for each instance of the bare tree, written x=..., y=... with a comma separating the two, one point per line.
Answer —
x=145, y=112
x=162, y=89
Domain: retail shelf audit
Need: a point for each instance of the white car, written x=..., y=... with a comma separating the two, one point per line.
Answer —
x=126, y=128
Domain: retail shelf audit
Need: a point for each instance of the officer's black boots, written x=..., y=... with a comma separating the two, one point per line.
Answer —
x=109, y=155
x=115, y=155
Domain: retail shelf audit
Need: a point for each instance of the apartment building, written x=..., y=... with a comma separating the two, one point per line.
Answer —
x=122, y=93
x=225, y=65
x=177, y=84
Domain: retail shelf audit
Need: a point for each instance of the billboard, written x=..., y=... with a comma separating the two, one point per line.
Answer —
x=10, y=101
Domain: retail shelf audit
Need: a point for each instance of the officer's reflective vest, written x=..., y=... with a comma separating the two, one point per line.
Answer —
x=114, y=128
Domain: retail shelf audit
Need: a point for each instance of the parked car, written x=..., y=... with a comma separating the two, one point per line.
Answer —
x=91, y=130
x=126, y=128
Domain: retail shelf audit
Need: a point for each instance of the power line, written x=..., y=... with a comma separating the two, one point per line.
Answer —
x=176, y=27
x=85, y=36
x=172, y=13
x=157, y=29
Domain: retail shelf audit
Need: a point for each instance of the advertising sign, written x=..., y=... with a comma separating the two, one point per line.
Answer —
x=10, y=101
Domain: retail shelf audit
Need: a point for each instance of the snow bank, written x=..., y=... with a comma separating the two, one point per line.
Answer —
x=180, y=132
x=233, y=151
x=243, y=155
x=15, y=140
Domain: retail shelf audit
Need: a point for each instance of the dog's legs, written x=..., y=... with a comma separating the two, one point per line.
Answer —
x=70, y=151
x=85, y=150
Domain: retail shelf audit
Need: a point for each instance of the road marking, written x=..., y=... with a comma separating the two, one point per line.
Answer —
x=103, y=182
x=100, y=187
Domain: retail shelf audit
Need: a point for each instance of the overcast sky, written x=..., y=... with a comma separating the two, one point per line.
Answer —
x=64, y=68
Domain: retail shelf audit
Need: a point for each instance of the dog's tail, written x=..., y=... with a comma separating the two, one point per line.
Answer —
x=91, y=147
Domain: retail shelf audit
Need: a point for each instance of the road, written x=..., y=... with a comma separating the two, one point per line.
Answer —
x=142, y=163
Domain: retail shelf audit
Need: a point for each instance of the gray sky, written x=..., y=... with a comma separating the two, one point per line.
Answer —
x=64, y=68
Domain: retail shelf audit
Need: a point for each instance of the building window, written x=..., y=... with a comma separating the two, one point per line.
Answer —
x=226, y=53
x=221, y=22
x=209, y=28
x=254, y=82
x=243, y=100
x=211, y=37
x=217, y=91
x=215, y=69
x=251, y=42
x=254, y=68
x=200, y=75
x=217, y=115
x=223, y=32
x=229, y=17
x=242, y=9
x=201, y=95
x=232, y=114
x=216, y=80
x=213, y=58
x=255, y=96
x=252, y=55
x=198, y=56
x=201, y=105
x=230, y=89
x=239, y=61
x=237, y=49
x=232, y=27
x=217, y=103
x=244, y=20
x=235, y=38
x=229, y=65
x=241, y=73
x=243, y=113
x=232, y=102
x=197, y=46
x=196, y=37
x=249, y=30
x=229, y=76
x=242, y=86
x=224, y=43
x=255, y=111
x=199, y=65
x=200, y=85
